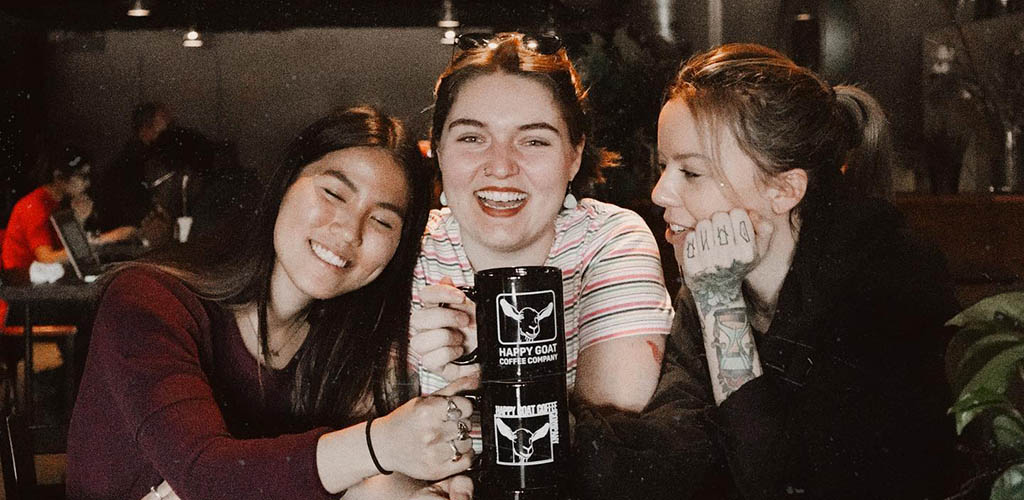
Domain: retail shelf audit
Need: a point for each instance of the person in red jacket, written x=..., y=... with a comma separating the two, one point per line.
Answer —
x=30, y=237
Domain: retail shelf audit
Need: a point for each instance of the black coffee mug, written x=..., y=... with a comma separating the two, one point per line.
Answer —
x=523, y=400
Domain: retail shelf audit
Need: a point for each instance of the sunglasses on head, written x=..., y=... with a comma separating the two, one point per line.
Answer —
x=542, y=44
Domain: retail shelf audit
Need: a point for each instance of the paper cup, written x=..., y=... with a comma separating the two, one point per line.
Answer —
x=184, y=226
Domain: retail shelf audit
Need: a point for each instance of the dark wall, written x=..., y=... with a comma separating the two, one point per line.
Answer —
x=23, y=56
x=256, y=89
x=873, y=43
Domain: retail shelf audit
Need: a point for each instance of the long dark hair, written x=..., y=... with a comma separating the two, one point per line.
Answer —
x=784, y=116
x=510, y=55
x=358, y=342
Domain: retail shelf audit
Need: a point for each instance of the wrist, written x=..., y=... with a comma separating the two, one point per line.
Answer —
x=375, y=451
x=709, y=300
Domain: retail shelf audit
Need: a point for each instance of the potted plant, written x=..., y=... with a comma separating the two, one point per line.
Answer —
x=985, y=365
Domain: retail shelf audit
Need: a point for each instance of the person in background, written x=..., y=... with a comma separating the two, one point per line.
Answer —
x=30, y=236
x=121, y=189
x=257, y=371
x=511, y=136
x=806, y=358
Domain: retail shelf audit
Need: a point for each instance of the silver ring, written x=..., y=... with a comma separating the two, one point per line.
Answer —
x=453, y=412
x=463, y=431
x=457, y=454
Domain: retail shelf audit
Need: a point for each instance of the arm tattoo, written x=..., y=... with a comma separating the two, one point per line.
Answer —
x=728, y=337
x=734, y=349
x=655, y=352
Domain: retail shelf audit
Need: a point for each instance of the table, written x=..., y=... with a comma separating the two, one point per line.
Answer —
x=61, y=295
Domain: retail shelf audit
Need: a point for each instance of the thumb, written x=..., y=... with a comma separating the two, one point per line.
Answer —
x=763, y=227
x=447, y=280
x=460, y=488
x=460, y=384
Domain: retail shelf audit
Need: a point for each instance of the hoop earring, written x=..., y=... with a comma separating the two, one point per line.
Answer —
x=570, y=200
x=443, y=199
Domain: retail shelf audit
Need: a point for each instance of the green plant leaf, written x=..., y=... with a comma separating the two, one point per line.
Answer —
x=1010, y=484
x=970, y=405
x=995, y=374
x=974, y=347
x=1009, y=432
x=1010, y=304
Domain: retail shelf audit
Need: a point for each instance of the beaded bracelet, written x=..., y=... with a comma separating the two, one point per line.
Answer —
x=369, y=446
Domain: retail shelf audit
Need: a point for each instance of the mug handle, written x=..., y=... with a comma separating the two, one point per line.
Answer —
x=473, y=356
x=468, y=358
x=476, y=397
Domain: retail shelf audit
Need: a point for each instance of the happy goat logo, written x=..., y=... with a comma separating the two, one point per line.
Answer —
x=527, y=319
x=522, y=439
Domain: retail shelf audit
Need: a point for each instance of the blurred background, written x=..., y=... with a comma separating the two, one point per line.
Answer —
x=241, y=77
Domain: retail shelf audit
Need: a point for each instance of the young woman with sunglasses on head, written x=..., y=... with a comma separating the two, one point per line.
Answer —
x=258, y=373
x=512, y=140
x=806, y=357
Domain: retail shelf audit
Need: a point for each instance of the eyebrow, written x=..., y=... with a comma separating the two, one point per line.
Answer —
x=540, y=126
x=689, y=156
x=337, y=174
x=469, y=122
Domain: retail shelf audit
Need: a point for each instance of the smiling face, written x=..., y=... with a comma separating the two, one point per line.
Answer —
x=691, y=188
x=339, y=225
x=506, y=160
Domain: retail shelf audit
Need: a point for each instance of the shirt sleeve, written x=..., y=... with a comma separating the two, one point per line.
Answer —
x=146, y=338
x=38, y=229
x=623, y=290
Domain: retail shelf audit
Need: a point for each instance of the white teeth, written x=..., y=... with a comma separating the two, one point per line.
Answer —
x=327, y=255
x=502, y=196
x=677, y=228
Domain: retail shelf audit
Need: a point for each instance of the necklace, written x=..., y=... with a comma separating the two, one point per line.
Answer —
x=274, y=353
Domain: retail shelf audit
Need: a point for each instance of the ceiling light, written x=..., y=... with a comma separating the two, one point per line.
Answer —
x=192, y=39
x=447, y=20
x=138, y=10
x=448, y=23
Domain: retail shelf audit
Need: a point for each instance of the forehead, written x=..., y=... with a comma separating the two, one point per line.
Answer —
x=372, y=170
x=680, y=133
x=501, y=98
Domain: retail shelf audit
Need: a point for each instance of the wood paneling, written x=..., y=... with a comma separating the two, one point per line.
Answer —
x=981, y=235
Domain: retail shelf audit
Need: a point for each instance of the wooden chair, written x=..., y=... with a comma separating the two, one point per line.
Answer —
x=19, y=468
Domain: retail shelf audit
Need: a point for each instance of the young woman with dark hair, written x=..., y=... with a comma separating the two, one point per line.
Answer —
x=257, y=373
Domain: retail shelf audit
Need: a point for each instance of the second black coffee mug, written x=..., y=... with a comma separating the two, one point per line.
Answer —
x=523, y=400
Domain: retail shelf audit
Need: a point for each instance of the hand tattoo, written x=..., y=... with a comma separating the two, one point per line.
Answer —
x=718, y=287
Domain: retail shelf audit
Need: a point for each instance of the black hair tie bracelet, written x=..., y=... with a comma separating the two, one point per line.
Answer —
x=369, y=446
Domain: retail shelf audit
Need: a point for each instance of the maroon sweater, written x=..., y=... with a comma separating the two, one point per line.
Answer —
x=171, y=393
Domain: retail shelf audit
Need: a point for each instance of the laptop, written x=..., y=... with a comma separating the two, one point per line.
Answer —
x=84, y=259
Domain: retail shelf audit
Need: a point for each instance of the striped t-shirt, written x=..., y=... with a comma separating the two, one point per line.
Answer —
x=611, y=277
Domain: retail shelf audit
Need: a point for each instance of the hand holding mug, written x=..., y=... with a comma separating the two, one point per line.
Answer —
x=428, y=437
x=452, y=488
x=444, y=329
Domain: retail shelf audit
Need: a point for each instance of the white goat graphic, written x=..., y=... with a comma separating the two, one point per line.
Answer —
x=528, y=317
x=522, y=439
